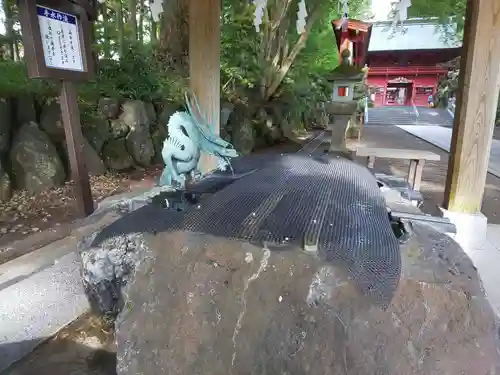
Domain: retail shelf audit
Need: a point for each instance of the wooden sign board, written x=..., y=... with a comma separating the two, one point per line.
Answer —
x=57, y=46
x=57, y=43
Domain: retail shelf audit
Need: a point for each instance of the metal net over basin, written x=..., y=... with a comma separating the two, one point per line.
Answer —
x=325, y=203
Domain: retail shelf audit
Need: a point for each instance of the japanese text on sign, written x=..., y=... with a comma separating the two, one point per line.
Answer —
x=60, y=39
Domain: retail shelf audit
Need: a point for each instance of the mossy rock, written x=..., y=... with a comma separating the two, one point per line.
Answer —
x=116, y=156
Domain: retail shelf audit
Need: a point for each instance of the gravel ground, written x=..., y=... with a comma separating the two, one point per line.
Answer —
x=25, y=214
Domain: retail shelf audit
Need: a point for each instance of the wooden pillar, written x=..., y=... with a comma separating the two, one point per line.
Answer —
x=204, y=63
x=473, y=126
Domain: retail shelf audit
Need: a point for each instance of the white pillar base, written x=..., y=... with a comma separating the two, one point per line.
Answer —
x=471, y=228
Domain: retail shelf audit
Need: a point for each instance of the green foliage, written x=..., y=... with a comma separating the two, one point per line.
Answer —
x=14, y=81
x=142, y=72
x=136, y=75
x=444, y=10
x=239, y=49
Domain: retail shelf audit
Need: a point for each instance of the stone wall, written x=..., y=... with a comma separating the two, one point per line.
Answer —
x=121, y=135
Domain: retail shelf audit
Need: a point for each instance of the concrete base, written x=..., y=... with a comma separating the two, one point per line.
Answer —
x=471, y=228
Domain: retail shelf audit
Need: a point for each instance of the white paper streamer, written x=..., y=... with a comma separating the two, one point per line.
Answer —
x=156, y=7
x=344, y=24
x=301, y=17
x=400, y=12
x=260, y=6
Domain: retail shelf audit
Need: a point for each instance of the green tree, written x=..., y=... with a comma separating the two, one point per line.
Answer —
x=444, y=10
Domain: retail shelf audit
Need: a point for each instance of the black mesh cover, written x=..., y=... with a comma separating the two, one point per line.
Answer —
x=326, y=203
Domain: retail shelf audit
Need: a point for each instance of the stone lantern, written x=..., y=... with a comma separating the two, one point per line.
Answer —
x=343, y=104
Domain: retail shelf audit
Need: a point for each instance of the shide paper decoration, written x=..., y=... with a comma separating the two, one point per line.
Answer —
x=301, y=17
x=156, y=7
x=260, y=6
x=400, y=12
x=345, y=16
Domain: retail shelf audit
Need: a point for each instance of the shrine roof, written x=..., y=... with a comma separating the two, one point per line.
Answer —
x=353, y=24
x=417, y=34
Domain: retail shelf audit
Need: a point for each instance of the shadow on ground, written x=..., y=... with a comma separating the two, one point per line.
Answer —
x=85, y=347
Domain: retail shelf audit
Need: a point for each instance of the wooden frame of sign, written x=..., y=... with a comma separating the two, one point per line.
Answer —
x=65, y=23
x=33, y=42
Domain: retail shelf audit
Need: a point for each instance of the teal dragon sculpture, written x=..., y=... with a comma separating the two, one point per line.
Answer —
x=189, y=134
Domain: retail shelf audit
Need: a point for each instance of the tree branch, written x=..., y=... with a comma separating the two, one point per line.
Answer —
x=288, y=61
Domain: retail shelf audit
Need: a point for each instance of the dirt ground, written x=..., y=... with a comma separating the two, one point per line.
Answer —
x=25, y=214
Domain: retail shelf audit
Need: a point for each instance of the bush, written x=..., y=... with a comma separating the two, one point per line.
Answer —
x=14, y=81
x=137, y=75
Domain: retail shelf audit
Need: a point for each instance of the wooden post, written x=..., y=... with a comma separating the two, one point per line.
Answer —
x=204, y=63
x=473, y=126
x=74, y=142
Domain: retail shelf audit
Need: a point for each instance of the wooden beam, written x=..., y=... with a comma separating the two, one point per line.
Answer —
x=204, y=63
x=479, y=83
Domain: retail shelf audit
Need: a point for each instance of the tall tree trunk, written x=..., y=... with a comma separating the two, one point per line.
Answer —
x=16, y=47
x=119, y=27
x=105, y=31
x=175, y=32
x=154, y=31
x=132, y=21
x=9, y=28
x=140, y=31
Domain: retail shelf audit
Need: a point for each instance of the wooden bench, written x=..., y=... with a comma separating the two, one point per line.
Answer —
x=417, y=160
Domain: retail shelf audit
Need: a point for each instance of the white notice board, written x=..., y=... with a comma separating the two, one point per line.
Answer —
x=60, y=39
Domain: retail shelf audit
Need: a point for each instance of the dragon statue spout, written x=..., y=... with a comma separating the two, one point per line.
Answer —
x=190, y=134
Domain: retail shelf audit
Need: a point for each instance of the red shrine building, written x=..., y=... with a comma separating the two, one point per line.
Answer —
x=404, y=66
